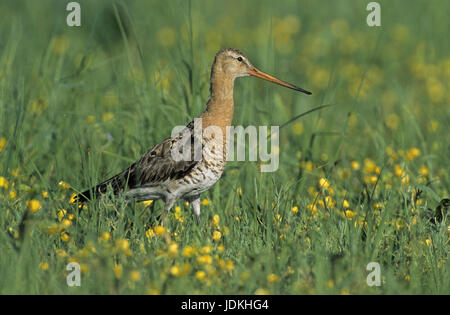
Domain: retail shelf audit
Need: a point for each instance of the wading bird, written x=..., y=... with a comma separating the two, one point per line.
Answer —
x=158, y=175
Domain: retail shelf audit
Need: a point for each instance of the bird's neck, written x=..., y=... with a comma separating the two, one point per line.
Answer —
x=220, y=107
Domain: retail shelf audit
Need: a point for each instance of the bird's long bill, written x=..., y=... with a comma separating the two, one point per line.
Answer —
x=258, y=73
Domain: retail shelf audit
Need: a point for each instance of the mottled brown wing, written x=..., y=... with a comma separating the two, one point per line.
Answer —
x=158, y=164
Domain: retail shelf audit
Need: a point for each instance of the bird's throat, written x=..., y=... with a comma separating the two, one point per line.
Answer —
x=220, y=107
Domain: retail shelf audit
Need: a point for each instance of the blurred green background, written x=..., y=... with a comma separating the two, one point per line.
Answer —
x=79, y=104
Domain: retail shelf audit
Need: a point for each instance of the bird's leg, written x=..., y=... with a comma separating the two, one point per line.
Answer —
x=169, y=204
x=195, y=204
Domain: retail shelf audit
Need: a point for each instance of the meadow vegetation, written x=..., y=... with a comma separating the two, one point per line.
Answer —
x=359, y=181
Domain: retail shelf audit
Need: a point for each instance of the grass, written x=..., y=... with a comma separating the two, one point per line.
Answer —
x=358, y=181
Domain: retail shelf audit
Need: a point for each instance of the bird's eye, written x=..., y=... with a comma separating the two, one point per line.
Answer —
x=239, y=58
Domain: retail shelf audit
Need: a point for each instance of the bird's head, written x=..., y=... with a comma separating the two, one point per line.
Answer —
x=234, y=63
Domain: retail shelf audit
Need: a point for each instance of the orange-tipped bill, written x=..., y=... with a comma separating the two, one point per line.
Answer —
x=258, y=73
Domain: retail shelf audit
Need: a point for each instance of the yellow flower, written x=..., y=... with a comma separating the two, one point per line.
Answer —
x=159, y=230
x=4, y=182
x=350, y=214
x=312, y=191
x=294, y=209
x=178, y=214
x=423, y=171
x=12, y=194
x=205, y=202
x=324, y=183
x=65, y=237
x=147, y=203
x=150, y=233
x=90, y=119
x=392, y=121
x=84, y=268
x=354, y=165
x=188, y=251
x=412, y=153
x=399, y=223
x=153, y=292
x=372, y=179
x=61, y=214
x=308, y=166
x=44, y=194
x=61, y=253
x=66, y=223
x=107, y=116
x=73, y=259
x=63, y=185
x=175, y=271
x=329, y=201
x=261, y=291
x=405, y=180
x=345, y=204
x=378, y=206
x=135, y=275
x=123, y=244
x=399, y=172
x=369, y=166
x=205, y=250
x=73, y=198
x=312, y=207
x=217, y=235
x=345, y=292
x=200, y=275
x=173, y=249
x=34, y=205
x=118, y=269
x=277, y=218
x=428, y=241
x=229, y=265
x=205, y=259
x=215, y=220
x=2, y=143
x=272, y=278
x=343, y=173
x=15, y=172
x=43, y=265
x=53, y=229
x=104, y=237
